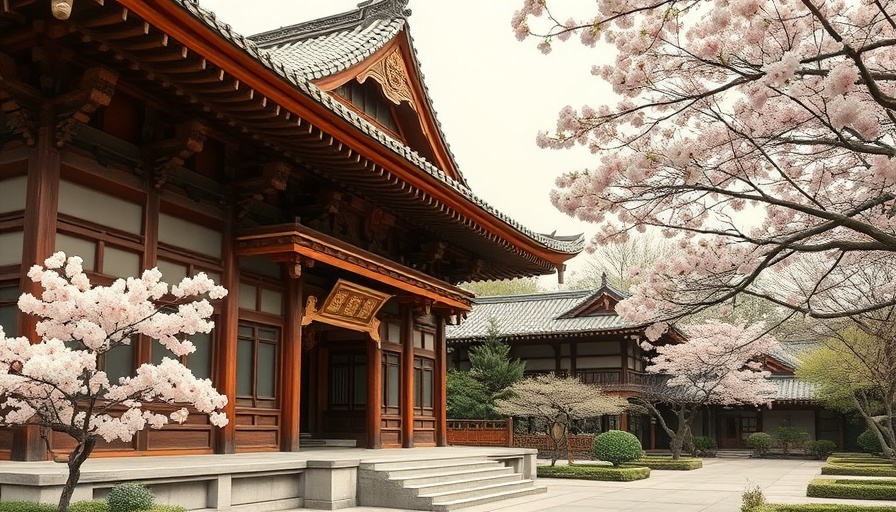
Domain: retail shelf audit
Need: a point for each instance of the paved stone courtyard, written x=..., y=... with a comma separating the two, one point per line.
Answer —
x=715, y=488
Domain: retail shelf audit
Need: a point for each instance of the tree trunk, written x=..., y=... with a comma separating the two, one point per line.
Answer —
x=75, y=459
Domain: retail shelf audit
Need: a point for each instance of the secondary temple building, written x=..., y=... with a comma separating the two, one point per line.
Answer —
x=303, y=169
x=578, y=333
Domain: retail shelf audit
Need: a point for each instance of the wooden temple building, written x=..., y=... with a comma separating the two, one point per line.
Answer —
x=303, y=169
x=578, y=333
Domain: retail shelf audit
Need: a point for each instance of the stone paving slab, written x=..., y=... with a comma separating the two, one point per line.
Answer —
x=717, y=487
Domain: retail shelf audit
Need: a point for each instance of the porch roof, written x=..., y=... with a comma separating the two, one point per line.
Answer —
x=792, y=389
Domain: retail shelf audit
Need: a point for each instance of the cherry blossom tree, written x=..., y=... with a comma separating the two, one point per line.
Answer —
x=558, y=401
x=718, y=365
x=753, y=132
x=59, y=384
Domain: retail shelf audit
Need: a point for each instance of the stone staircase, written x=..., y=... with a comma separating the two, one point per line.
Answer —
x=440, y=484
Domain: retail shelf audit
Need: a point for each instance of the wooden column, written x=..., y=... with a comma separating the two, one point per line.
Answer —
x=291, y=381
x=225, y=356
x=407, y=375
x=573, y=354
x=623, y=359
x=41, y=201
x=150, y=259
x=441, y=383
x=374, y=394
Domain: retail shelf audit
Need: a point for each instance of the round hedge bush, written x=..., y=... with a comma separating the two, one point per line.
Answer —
x=129, y=497
x=616, y=447
x=821, y=448
x=868, y=441
x=760, y=442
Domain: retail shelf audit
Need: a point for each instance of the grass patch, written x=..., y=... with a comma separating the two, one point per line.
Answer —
x=594, y=472
x=665, y=463
x=826, y=507
x=852, y=489
x=78, y=506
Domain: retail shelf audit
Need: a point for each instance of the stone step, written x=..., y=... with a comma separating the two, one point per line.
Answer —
x=448, y=504
x=461, y=482
x=420, y=480
x=399, y=473
x=478, y=491
x=423, y=464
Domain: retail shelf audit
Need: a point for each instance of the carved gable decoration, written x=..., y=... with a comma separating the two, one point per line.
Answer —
x=392, y=76
x=348, y=305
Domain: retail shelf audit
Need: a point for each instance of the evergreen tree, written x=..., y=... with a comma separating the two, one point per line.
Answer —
x=472, y=394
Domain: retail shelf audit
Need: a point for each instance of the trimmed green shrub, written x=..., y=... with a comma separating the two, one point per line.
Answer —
x=852, y=489
x=26, y=506
x=167, y=508
x=864, y=459
x=129, y=497
x=594, y=472
x=821, y=448
x=858, y=469
x=760, y=442
x=819, y=507
x=704, y=446
x=89, y=506
x=616, y=447
x=664, y=463
x=869, y=442
x=789, y=436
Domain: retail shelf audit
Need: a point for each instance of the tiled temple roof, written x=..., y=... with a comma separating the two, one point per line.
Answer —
x=539, y=314
x=792, y=389
x=297, y=76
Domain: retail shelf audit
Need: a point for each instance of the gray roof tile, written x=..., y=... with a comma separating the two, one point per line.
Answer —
x=533, y=315
x=301, y=82
x=792, y=389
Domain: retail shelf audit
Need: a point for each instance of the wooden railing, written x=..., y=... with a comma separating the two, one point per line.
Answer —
x=480, y=432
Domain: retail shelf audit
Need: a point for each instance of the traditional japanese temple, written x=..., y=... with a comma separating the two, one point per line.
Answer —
x=303, y=168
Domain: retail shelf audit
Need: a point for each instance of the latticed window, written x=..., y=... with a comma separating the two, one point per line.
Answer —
x=348, y=381
x=257, y=363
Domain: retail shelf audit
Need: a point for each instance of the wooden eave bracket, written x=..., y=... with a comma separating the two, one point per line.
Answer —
x=14, y=99
x=274, y=177
x=350, y=306
x=190, y=140
x=97, y=88
x=293, y=263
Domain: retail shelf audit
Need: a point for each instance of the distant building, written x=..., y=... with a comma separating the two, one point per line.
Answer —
x=579, y=333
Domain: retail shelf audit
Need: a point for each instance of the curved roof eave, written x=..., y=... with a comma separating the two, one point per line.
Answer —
x=563, y=247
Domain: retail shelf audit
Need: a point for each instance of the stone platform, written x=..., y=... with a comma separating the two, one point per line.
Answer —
x=317, y=478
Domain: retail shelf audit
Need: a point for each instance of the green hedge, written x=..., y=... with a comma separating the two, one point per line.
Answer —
x=865, y=459
x=858, y=470
x=78, y=506
x=665, y=463
x=594, y=472
x=852, y=489
x=826, y=507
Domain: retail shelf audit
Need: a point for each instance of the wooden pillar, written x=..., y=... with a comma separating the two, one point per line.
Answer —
x=573, y=354
x=441, y=383
x=225, y=358
x=623, y=373
x=291, y=369
x=652, y=433
x=41, y=202
x=407, y=376
x=374, y=394
x=558, y=360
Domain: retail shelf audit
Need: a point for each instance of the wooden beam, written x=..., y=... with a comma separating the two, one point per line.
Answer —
x=407, y=375
x=291, y=363
x=374, y=395
x=190, y=140
x=41, y=206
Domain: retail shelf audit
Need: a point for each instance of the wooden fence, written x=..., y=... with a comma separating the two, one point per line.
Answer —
x=500, y=433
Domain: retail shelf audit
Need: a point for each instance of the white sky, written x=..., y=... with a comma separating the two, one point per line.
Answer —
x=492, y=94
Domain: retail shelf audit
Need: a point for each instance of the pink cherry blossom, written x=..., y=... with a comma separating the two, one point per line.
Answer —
x=57, y=383
x=758, y=133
